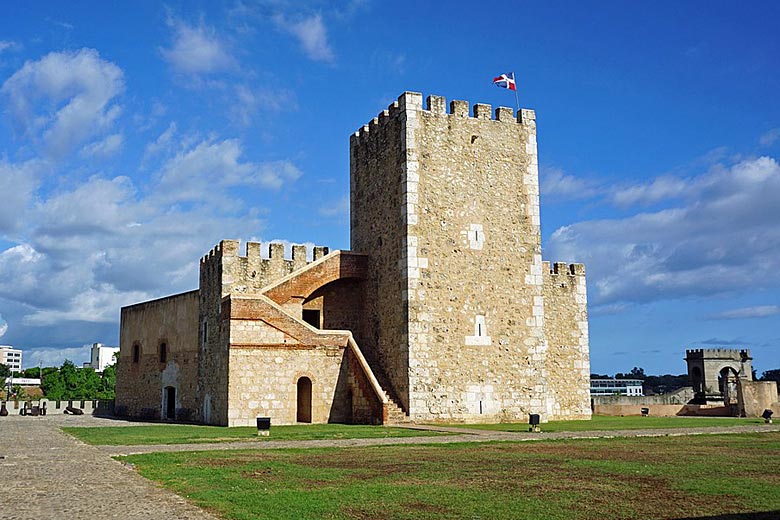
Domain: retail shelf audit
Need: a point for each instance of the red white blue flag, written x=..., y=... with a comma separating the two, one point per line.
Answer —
x=506, y=81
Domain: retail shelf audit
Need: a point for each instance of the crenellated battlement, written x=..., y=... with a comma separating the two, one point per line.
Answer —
x=732, y=353
x=254, y=251
x=437, y=105
x=254, y=269
x=562, y=268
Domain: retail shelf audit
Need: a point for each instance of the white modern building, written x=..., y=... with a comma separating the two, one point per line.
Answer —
x=11, y=356
x=631, y=387
x=101, y=356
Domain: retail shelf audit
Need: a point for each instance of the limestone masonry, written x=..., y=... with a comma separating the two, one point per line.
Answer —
x=443, y=310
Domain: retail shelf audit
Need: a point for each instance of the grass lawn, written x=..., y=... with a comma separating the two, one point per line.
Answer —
x=608, y=422
x=624, y=478
x=187, y=434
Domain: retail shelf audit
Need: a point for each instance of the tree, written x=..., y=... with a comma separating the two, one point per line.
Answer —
x=5, y=371
x=636, y=373
x=771, y=375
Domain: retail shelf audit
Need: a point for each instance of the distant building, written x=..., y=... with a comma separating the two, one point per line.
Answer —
x=11, y=357
x=631, y=387
x=101, y=356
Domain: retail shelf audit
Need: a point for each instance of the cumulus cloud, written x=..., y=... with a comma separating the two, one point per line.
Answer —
x=64, y=98
x=718, y=235
x=18, y=183
x=196, y=49
x=312, y=35
x=3, y=326
x=103, y=148
x=662, y=188
x=759, y=311
x=558, y=185
x=192, y=174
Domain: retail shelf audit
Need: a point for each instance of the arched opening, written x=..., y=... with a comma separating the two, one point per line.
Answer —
x=304, y=400
x=727, y=383
x=696, y=379
x=136, y=352
x=169, y=403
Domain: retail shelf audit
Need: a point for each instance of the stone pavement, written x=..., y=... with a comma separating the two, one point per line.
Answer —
x=49, y=475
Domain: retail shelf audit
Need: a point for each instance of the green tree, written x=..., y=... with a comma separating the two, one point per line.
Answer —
x=108, y=383
x=5, y=371
x=52, y=384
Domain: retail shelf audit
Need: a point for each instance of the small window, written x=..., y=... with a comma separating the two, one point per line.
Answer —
x=136, y=353
x=163, y=353
x=205, y=331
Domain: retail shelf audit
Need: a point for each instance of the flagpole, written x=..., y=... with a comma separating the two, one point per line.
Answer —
x=517, y=99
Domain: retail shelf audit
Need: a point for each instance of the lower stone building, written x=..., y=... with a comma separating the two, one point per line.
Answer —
x=443, y=310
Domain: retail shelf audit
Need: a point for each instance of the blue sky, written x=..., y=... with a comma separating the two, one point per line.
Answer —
x=134, y=137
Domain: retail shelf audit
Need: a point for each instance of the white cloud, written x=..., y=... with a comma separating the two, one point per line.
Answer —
x=103, y=148
x=6, y=45
x=18, y=183
x=55, y=357
x=311, y=34
x=193, y=174
x=720, y=235
x=759, y=311
x=3, y=326
x=558, y=185
x=64, y=98
x=337, y=209
x=196, y=50
x=661, y=188
x=770, y=138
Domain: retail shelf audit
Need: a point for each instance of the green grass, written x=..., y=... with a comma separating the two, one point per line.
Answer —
x=189, y=434
x=620, y=479
x=608, y=422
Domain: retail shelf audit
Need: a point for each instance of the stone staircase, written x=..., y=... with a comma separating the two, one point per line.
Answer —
x=395, y=412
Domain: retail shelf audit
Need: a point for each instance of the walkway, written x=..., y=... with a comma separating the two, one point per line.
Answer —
x=49, y=475
x=471, y=435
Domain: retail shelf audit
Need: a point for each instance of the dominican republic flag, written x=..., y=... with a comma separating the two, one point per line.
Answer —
x=506, y=81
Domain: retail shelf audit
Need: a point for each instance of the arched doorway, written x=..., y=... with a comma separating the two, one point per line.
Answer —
x=727, y=383
x=169, y=403
x=696, y=380
x=304, y=400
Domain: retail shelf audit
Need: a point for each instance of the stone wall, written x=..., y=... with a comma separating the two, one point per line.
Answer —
x=378, y=173
x=566, y=329
x=223, y=272
x=757, y=396
x=447, y=207
x=263, y=382
x=139, y=386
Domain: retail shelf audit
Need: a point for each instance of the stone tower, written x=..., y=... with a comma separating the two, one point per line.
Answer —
x=714, y=372
x=446, y=205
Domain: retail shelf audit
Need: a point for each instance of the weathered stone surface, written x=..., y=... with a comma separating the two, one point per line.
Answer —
x=444, y=308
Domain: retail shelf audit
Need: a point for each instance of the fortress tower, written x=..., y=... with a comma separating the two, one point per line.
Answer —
x=442, y=311
x=446, y=205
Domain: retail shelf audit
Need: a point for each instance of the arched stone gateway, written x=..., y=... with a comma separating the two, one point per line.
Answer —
x=714, y=373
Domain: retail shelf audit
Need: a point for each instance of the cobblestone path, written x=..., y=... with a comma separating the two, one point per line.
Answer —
x=47, y=475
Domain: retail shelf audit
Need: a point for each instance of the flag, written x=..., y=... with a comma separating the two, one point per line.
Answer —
x=506, y=81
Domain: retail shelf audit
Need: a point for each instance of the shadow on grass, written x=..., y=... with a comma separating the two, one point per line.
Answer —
x=766, y=515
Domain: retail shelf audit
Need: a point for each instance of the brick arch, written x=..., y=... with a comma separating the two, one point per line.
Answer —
x=301, y=284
